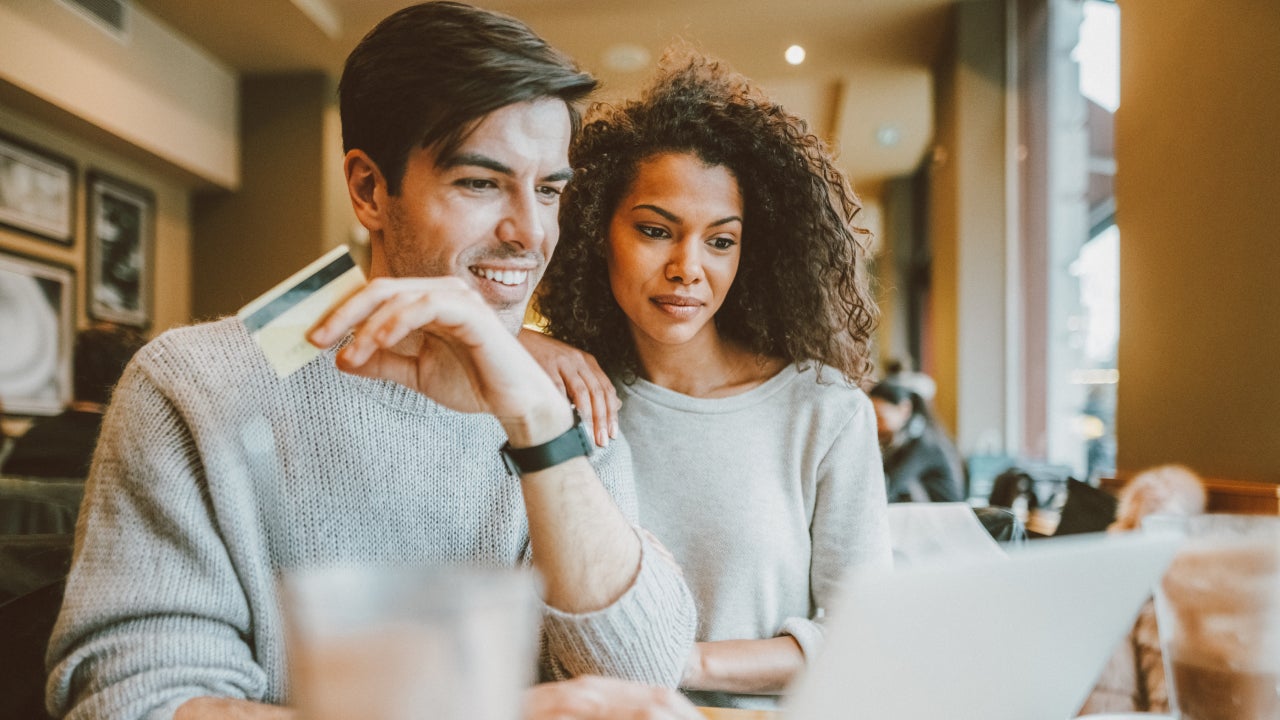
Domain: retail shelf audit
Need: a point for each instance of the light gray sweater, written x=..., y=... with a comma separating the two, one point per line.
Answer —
x=765, y=498
x=212, y=475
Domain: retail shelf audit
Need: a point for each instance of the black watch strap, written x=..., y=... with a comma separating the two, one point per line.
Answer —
x=570, y=444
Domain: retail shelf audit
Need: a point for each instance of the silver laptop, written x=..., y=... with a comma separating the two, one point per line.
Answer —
x=1016, y=638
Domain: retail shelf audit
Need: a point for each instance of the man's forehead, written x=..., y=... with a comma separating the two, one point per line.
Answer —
x=535, y=130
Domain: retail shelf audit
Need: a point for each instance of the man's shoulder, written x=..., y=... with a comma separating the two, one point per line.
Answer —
x=198, y=343
x=217, y=351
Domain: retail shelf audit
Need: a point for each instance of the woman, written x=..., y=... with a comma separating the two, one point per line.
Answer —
x=707, y=260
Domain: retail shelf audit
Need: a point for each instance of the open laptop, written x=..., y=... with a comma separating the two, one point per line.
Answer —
x=1016, y=638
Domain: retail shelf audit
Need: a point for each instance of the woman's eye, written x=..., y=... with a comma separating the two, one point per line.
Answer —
x=652, y=231
x=723, y=243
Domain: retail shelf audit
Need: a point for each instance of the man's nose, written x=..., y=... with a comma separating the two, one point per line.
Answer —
x=523, y=224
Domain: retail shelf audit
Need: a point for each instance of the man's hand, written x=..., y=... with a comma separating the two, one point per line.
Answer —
x=439, y=337
x=599, y=698
x=580, y=377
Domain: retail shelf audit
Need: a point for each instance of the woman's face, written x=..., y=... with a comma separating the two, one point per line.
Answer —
x=673, y=250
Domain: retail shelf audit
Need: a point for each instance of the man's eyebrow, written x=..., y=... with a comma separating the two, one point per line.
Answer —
x=564, y=175
x=672, y=217
x=488, y=163
x=476, y=160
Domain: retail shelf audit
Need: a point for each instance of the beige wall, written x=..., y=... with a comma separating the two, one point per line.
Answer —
x=290, y=207
x=1198, y=181
x=155, y=93
x=172, y=249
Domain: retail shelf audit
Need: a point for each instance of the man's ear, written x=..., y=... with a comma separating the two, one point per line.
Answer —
x=367, y=188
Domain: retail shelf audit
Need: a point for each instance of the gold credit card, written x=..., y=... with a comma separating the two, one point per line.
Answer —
x=279, y=319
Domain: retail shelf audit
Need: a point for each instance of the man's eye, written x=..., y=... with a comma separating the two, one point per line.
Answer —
x=550, y=190
x=652, y=231
x=477, y=183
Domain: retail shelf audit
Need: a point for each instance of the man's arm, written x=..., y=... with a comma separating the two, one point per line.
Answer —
x=614, y=607
x=437, y=336
x=153, y=613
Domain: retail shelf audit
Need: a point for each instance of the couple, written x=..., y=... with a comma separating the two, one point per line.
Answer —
x=212, y=474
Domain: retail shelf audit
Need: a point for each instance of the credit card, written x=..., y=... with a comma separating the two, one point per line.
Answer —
x=279, y=319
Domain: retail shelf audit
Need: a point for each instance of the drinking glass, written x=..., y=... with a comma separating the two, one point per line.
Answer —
x=407, y=643
x=1218, y=608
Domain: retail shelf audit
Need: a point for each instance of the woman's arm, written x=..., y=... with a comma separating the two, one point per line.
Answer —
x=753, y=667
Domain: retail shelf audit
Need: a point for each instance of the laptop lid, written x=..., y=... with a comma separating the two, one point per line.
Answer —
x=1016, y=638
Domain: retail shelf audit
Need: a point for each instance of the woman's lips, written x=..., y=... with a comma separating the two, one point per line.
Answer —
x=681, y=307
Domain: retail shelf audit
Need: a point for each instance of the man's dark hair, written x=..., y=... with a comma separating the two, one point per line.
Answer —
x=427, y=75
x=101, y=354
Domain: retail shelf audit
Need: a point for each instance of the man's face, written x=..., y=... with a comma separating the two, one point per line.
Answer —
x=890, y=418
x=486, y=214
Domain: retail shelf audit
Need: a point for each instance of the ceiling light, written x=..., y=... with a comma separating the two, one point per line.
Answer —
x=794, y=54
x=888, y=135
x=626, y=57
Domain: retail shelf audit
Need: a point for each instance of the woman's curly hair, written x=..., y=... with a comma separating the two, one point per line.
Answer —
x=801, y=292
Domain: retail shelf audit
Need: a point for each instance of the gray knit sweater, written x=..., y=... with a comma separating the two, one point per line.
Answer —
x=765, y=498
x=212, y=475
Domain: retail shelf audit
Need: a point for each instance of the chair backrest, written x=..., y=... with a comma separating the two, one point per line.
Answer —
x=39, y=505
x=26, y=623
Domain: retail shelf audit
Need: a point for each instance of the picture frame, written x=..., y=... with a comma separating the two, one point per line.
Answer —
x=120, y=236
x=37, y=191
x=37, y=322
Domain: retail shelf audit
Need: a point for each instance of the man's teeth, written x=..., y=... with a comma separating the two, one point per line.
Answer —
x=506, y=277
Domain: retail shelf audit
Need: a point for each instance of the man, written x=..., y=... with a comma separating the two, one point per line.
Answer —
x=212, y=474
x=62, y=446
x=920, y=463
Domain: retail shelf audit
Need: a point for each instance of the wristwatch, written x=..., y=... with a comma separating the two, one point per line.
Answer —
x=568, y=445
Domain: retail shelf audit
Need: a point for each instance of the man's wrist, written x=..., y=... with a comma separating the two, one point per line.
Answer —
x=540, y=425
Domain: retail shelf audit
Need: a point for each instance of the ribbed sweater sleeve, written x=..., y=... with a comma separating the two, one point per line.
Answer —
x=849, y=526
x=154, y=613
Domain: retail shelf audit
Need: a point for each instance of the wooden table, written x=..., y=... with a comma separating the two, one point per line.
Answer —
x=730, y=714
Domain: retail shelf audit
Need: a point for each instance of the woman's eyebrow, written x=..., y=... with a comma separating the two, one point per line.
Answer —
x=664, y=213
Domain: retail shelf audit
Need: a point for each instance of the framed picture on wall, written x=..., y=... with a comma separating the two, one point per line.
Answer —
x=37, y=322
x=121, y=233
x=37, y=191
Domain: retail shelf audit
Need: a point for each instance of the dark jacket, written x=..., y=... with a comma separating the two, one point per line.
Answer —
x=924, y=466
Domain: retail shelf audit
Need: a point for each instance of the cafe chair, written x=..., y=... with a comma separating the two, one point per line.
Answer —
x=26, y=622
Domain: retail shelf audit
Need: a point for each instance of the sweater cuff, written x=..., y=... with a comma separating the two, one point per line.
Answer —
x=645, y=636
x=807, y=633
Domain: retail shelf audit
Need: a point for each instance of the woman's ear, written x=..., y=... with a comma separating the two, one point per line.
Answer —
x=367, y=188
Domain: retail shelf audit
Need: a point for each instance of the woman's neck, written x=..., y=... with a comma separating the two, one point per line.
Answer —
x=708, y=366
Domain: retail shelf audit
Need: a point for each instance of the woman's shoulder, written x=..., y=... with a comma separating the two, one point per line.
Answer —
x=827, y=385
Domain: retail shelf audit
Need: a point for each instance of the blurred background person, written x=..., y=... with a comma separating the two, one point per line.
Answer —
x=920, y=462
x=62, y=446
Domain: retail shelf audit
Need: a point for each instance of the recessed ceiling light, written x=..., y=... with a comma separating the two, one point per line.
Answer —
x=888, y=135
x=626, y=57
x=794, y=54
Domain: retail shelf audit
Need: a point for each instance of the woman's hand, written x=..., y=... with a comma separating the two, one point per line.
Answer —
x=578, y=376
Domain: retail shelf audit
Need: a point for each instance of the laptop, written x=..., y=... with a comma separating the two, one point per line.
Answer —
x=1017, y=638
